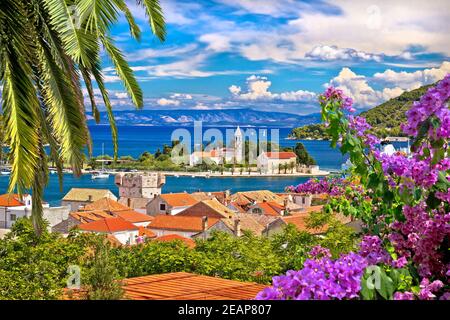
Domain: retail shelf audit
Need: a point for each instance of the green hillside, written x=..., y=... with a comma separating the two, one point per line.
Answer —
x=385, y=118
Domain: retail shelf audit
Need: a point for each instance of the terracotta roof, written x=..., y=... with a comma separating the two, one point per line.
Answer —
x=89, y=216
x=172, y=237
x=180, y=223
x=299, y=221
x=108, y=225
x=188, y=286
x=82, y=194
x=132, y=216
x=146, y=232
x=211, y=208
x=10, y=200
x=179, y=199
x=200, y=196
x=106, y=204
x=270, y=208
x=255, y=223
x=243, y=198
x=281, y=155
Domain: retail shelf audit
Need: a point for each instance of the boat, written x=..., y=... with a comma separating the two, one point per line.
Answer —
x=5, y=172
x=102, y=174
x=99, y=175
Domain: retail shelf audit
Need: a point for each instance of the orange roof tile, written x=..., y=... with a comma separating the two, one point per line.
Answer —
x=146, y=232
x=299, y=220
x=188, y=286
x=132, y=216
x=281, y=155
x=181, y=223
x=105, y=204
x=108, y=225
x=10, y=200
x=179, y=199
x=172, y=237
x=270, y=208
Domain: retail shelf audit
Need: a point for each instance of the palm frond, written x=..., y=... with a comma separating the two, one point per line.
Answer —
x=134, y=28
x=155, y=15
x=19, y=105
x=76, y=41
x=124, y=71
x=96, y=72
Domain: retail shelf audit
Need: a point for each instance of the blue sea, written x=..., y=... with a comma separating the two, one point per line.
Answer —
x=134, y=140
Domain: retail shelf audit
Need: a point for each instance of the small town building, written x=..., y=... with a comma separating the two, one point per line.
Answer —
x=77, y=198
x=183, y=226
x=277, y=162
x=170, y=203
x=137, y=189
x=270, y=208
x=13, y=207
x=209, y=208
x=125, y=232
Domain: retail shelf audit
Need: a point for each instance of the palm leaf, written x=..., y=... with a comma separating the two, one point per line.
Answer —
x=124, y=71
x=155, y=17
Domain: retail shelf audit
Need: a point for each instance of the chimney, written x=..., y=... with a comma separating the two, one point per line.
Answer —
x=204, y=226
x=237, y=227
x=90, y=198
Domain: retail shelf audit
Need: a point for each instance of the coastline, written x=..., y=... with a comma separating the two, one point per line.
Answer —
x=320, y=173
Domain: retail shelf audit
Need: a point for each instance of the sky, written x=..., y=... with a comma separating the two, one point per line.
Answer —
x=278, y=55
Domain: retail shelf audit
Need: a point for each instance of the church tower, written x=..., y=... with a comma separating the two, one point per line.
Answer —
x=238, y=145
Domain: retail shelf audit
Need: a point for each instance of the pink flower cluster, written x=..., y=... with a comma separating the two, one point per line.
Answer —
x=432, y=104
x=427, y=290
x=330, y=186
x=420, y=238
x=321, y=278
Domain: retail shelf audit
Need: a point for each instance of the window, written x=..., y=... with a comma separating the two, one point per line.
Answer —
x=162, y=207
x=13, y=217
x=257, y=210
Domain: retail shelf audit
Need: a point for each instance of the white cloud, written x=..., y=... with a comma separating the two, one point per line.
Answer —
x=258, y=89
x=121, y=95
x=413, y=80
x=358, y=88
x=355, y=30
x=216, y=42
x=201, y=106
x=330, y=53
x=183, y=96
x=235, y=90
x=167, y=102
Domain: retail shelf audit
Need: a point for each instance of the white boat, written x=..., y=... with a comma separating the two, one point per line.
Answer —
x=5, y=172
x=101, y=174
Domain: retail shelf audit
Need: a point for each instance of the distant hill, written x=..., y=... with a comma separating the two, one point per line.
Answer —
x=385, y=118
x=209, y=117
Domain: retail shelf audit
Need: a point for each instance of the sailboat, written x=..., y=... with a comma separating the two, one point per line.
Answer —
x=101, y=174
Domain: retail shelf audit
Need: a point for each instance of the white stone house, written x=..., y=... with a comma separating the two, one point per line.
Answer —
x=12, y=207
x=270, y=162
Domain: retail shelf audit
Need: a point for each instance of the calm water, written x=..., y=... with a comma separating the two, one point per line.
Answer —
x=173, y=184
x=137, y=139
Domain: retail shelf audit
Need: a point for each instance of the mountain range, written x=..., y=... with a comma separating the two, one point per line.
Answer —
x=218, y=117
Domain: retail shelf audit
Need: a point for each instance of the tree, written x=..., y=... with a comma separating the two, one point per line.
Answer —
x=47, y=47
x=102, y=279
x=303, y=157
x=292, y=166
